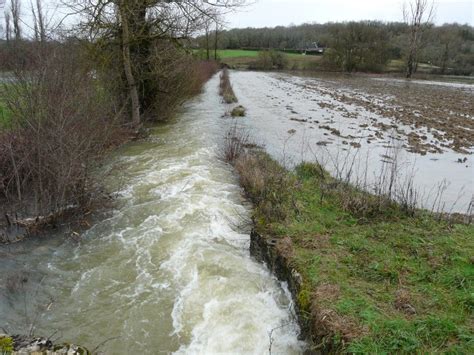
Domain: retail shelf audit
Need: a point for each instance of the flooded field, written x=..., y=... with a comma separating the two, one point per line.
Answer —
x=363, y=125
x=168, y=270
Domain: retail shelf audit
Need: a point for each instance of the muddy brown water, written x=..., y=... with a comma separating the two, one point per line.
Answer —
x=168, y=270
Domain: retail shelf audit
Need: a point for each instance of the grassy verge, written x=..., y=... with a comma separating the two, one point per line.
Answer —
x=4, y=116
x=384, y=283
x=4, y=112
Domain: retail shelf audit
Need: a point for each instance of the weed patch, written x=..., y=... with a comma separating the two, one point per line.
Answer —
x=225, y=88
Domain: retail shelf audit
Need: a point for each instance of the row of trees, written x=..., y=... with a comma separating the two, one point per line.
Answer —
x=368, y=45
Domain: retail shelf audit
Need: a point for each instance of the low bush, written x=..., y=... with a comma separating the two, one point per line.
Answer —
x=271, y=59
x=61, y=121
x=174, y=76
x=266, y=183
x=238, y=111
x=6, y=345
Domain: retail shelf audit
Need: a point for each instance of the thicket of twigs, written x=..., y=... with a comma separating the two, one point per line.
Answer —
x=61, y=121
x=65, y=110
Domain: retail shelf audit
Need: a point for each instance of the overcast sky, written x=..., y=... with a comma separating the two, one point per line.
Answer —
x=272, y=13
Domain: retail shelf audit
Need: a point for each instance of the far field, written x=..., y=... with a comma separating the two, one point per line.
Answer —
x=242, y=59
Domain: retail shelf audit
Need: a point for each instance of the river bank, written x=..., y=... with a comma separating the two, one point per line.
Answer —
x=364, y=281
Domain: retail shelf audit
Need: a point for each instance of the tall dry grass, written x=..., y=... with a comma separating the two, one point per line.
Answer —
x=225, y=88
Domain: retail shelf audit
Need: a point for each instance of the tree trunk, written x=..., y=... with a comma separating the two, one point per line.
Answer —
x=215, y=43
x=444, y=64
x=127, y=65
x=207, y=45
x=41, y=21
x=15, y=12
x=8, y=29
x=410, y=68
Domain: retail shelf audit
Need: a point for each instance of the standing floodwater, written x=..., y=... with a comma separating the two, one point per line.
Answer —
x=359, y=126
x=169, y=271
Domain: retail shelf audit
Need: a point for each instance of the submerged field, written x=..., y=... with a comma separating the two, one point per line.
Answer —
x=358, y=126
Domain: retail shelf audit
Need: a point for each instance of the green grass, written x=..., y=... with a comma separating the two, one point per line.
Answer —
x=239, y=53
x=4, y=115
x=243, y=59
x=6, y=345
x=398, y=65
x=392, y=283
x=236, y=53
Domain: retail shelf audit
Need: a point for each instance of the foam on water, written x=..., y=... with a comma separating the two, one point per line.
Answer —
x=169, y=270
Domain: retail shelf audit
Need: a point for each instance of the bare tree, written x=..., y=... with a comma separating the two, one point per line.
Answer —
x=417, y=14
x=16, y=18
x=140, y=24
x=127, y=62
x=216, y=40
x=2, y=9
x=41, y=21
x=35, y=22
x=207, y=34
x=8, y=27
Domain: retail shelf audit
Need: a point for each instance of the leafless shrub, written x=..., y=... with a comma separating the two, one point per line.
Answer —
x=388, y=190
x=266, y=182
x=225, y=88
x=62, y=120
x=173, y=78
x=236, y=140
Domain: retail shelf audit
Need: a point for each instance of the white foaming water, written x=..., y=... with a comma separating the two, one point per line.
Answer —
x=169, y=271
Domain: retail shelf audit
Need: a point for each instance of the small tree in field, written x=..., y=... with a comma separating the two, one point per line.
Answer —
x=417, y=14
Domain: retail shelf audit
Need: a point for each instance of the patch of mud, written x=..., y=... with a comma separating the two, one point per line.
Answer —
x=436, y=115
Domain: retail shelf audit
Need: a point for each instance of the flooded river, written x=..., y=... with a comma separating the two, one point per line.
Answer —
x=362, y=124
x=168, y=271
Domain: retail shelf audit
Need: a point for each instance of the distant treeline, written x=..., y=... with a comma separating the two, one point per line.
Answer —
x=366, y=43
